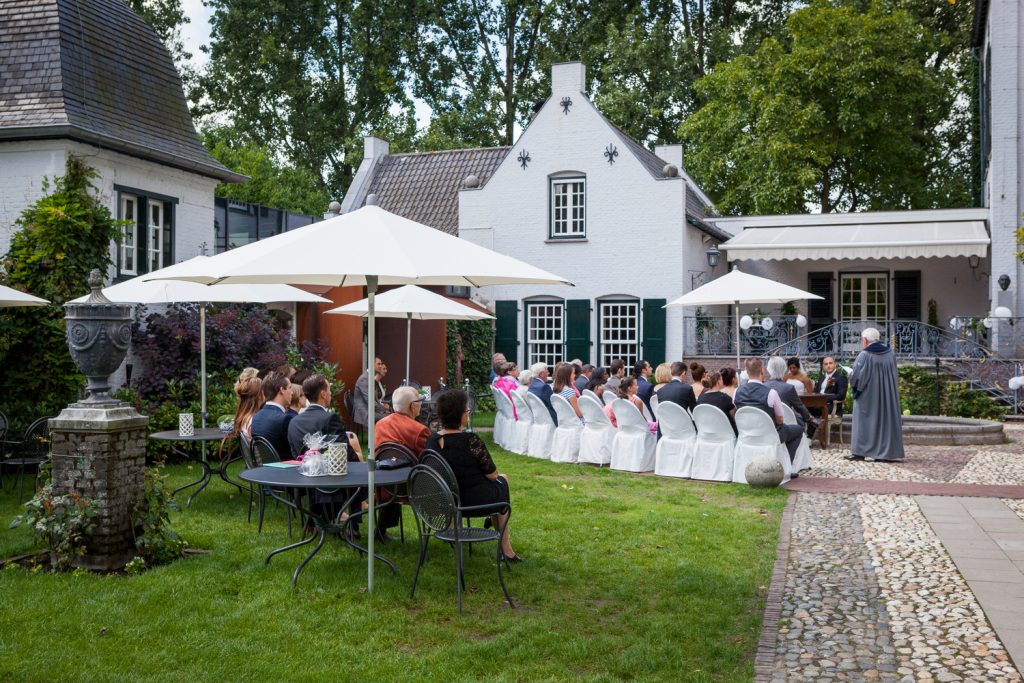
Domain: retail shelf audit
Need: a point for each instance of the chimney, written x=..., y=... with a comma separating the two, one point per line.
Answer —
x=671, y=154
x=568, y=78
x=374, y=148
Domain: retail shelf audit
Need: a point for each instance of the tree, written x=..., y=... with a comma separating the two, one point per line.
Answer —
x=474, y=63
x=306, y=79
x=845, y=113
x=272, y=182
x=59, y=240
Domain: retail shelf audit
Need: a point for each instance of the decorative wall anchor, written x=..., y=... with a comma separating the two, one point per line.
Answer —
x=566, y=104
x=523, y=158
x=610, y=153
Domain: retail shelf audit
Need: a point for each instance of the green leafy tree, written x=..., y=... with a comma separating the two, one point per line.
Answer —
x=272, y=182
x=845, y=113
x=59, y=240
x=306, y=79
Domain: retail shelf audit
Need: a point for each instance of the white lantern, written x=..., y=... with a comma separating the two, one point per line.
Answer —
x=337, y=459
x=186, y=424
x=1016, y=383
x=746, y=322
x=954, y=323
x=801, y=322
x=767, y=323
x=987, y=322
x=1002, y=312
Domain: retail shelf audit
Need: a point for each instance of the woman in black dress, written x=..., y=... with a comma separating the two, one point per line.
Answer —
x=479, y=481
x=714, y=396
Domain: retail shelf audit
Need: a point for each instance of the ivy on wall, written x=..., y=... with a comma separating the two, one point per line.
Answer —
x=470, y=344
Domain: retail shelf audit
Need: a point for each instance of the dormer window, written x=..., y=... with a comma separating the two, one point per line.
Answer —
x=568, y=216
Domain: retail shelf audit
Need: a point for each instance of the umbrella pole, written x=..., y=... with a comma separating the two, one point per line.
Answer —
x=371, y=415
x=202, y=364
x=408, y=345
x=736, y=315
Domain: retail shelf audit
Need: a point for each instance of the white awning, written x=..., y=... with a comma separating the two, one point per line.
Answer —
x=860, y=241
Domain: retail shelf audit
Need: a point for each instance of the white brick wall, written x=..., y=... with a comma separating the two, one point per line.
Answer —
x=636, y=244
x=24, y=164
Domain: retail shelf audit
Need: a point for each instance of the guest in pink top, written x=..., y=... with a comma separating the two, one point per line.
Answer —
x=507, y=381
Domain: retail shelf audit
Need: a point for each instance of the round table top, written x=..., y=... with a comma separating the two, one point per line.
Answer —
x=289, y=477
x=201, y=434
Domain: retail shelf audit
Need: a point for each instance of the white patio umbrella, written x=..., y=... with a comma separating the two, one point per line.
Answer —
x=10, y=298
x=412, y=303
x=735, y=288
x=370, y=247
x=140, y=291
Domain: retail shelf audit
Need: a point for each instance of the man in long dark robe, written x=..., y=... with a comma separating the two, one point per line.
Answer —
x=877, y=418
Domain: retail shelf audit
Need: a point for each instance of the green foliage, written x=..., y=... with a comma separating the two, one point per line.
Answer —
x=272, y=183
x=847, y=111
x=151, y=522
x=314, y=360
x=59, y=239
x=62, y=524
x=469, y=346
x=933, y=313
x=922, y=392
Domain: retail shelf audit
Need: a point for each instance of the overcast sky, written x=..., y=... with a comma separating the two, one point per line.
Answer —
x=196, y=32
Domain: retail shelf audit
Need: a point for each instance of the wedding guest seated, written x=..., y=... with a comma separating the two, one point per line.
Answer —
x=776, y=372
x=249, y=390
x=496, y=360
x=642, y=372
x=539, y=387
x=616, y=371
x=697, y=372
x=271, y=421
x=730, y=381
x=525, y=377
x=479, y=481
x=714, y=396
x=758, y=394
x=676, y=390
x=598, y=381
x=401, y=427
x=298, y=402
x=508, y=377
x=563, y=386
x=583, y=376
x=662, y=376
x=796, y=378
x=628, y=391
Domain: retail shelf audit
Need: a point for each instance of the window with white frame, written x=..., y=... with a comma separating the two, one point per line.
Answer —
x=568, y=208
x=147, y=238
x=127, y=258
x=619, y=331
x=545, y=332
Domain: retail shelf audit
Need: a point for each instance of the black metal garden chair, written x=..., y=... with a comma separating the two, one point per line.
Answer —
x=392, y=450
x=32, y=451
x=263, y=452
x=438, y=516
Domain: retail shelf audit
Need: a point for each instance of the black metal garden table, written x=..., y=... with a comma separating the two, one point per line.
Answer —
x=201, y=436
x=282, y=482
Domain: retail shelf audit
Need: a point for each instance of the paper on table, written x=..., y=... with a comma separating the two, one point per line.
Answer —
x=283, y=465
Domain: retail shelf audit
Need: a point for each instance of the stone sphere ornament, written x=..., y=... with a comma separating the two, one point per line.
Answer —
x=98, y=334
x=764, y=472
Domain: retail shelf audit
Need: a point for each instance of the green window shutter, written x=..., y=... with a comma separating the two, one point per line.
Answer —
x=577, y=332
x=819, y=311
x=505, y=332
x=653, y=349
x=906, y=295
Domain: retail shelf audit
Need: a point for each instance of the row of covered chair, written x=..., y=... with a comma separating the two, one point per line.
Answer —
x=701, y=445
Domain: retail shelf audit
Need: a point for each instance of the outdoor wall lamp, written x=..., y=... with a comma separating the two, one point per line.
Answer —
x=746, y=322
x=1003, y=313
x=974, y=261
x=1004, y=282
x=713, y=255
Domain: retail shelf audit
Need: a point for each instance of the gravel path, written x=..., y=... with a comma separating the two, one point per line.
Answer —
x=871, y=594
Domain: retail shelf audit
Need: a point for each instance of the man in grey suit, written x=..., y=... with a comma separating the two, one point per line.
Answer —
x=584, y=378
x=362, y=392
x=776, y=370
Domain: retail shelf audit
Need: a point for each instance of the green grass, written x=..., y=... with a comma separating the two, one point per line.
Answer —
x=627, y=577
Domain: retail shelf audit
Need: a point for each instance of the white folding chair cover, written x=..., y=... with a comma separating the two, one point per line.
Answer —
x=654, y=405
x=609, y=397
x=504, y=418
x=598, y=433
x=542, y=431
x=633, y=447
x=757, y=436
x=565, y=446
x=520, y=439
x=591, y=394
x=678, y=443
x=716, y=445
x=803, y=459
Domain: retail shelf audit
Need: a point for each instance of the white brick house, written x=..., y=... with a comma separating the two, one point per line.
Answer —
x=576, y=196
x=90, y=78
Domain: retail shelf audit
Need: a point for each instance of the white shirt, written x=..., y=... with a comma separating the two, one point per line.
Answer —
x=824, y=382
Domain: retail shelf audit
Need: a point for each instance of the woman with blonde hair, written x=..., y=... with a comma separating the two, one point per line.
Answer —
x=662, y=375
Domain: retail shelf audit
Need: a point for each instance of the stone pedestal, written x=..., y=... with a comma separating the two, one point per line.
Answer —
x=99, y=452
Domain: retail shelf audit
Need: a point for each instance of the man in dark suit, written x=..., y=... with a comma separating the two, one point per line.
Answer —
x=271, y=421
x=833, y=383
x=586, y=372
x=316, y=417
x=677, y=391
x=539, y=387
x=777, y=370
x=644, y=389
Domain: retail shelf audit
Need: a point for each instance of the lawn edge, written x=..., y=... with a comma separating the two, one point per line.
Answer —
x=764, y=660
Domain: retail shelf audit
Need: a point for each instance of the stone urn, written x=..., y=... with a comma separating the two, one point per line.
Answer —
x=764, y=472
x=98, y=333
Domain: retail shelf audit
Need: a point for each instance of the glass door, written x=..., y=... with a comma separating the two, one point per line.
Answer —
x=864, y=302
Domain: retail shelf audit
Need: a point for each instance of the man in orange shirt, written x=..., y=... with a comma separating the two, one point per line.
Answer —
x=401, y=427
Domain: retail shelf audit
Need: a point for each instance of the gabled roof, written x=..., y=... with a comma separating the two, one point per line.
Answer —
x=93, y=71
x=424, y=187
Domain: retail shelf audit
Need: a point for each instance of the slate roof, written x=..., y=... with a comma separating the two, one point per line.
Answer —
x=93, y=71
x=424, y=187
